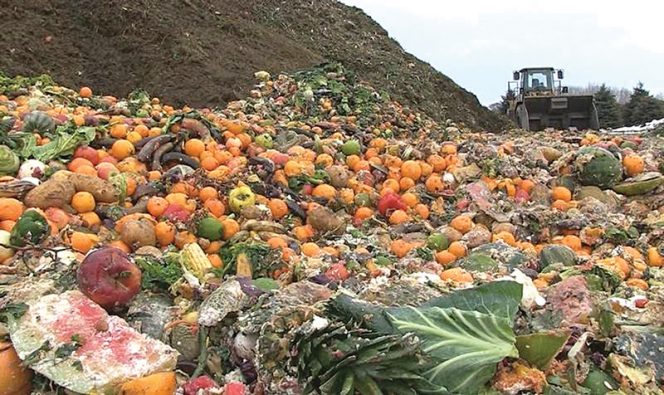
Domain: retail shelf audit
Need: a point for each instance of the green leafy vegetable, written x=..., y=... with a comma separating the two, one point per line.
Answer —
x=540, y=348
x=64, y=143
x=260, y=255
x=465, y=346
x=160, y=274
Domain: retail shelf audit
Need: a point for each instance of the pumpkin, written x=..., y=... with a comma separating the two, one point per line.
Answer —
x=557, y=255
x=15, y=379
x=597, y=166
x=38, y=122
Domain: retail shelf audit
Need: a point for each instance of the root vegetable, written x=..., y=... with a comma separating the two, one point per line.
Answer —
x=325, y=220
x=138, y=233
x=59, y=189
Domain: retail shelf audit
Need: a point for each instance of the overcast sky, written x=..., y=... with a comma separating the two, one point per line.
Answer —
x=478, y=43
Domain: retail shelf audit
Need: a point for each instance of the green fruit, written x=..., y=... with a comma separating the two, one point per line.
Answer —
x=210, y=228
x=438, y=242
x=38, y=122
x=640, y=185
x=557, y=254
x=31, y=228
x=351, y=147
x=628, y=144
x=264, y=140
x=597, y=166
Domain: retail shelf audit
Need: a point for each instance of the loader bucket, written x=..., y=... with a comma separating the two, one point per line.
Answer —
x=561, y=112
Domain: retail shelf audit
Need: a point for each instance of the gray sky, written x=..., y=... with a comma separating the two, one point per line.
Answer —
x=478, y=43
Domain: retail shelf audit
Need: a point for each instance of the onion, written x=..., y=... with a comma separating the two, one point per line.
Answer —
x=31, y=168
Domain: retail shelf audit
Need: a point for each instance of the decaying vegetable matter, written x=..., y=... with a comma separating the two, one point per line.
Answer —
x=318, y=238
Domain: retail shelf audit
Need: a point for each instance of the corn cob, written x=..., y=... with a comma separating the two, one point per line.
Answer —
x=195, y=260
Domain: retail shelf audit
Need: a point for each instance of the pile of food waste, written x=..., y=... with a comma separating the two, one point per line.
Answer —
x=319, y=238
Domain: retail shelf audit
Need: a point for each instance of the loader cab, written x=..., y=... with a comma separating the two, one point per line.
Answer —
x=537, y=81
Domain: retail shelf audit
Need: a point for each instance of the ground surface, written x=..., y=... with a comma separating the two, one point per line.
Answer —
x=204, y=52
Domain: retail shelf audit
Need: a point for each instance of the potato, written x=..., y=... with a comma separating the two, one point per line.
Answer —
x=55, y=192
x=138, y=233
x=338, y=176
x=325, y=220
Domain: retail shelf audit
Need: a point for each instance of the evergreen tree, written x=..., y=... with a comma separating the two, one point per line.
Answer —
x=608, y=109
x=642, y=107
x=505, y=101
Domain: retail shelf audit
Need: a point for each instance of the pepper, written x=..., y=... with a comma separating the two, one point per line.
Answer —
x=31, y=228
x=390, y=202
x=240, y=198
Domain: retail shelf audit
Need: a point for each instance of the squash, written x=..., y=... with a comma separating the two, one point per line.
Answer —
x=597, y=166
x=155, y=384
x=38, y=122
x=557, y=255
x=640, y=185
x=15, y=379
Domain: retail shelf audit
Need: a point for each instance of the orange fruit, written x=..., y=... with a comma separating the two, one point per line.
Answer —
x=462, y=223
x=399, y=217
x=83, y=242
x=561, y=193
x=215, y=207
x=83, y=202
x=278, y=208
x=10, y=209
x=324, y=191
x=310, y=249
x=85, y=92
x=458, y=249
x=156, y=206
x=209, y=163
x=456, y=274
x=119, y=130
x=207, y=193
x=231, y=227
x=165, y=232
x=445, y=257
x=122, y=149
x=411, y=169
x=194, y=147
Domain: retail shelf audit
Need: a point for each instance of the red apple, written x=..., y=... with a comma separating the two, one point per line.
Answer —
x=105, y=170
x=109, y=277
x=174, y=212
x=88, y=153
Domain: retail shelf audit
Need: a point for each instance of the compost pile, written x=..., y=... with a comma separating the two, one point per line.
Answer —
x=317, y=237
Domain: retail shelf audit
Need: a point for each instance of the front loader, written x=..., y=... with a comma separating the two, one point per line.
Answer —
x=541, y=102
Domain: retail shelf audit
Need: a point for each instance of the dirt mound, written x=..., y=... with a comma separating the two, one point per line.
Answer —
x=204, y=52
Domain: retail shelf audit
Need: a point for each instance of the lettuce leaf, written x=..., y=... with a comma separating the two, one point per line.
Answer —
x=465, y=346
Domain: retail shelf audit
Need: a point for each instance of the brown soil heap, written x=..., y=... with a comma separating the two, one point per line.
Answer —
x=204, y=52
